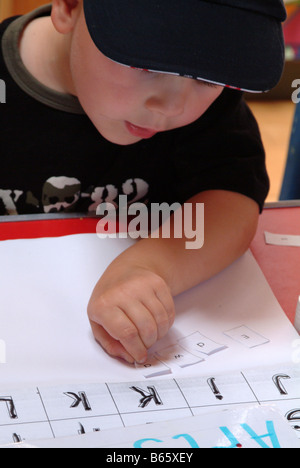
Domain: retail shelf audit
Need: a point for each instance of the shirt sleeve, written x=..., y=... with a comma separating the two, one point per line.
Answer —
x=223, y=150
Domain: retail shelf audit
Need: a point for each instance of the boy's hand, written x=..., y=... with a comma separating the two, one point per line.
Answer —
x=130, y=310
x=132, y=305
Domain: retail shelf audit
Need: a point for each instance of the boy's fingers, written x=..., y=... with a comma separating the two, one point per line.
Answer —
x=119, y=326
x=113, y=347
x=144, y=322
x=166, y=299
x=128, y=326
x=160, y=316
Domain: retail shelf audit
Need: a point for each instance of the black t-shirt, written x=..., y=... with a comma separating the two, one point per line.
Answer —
x=53, y=159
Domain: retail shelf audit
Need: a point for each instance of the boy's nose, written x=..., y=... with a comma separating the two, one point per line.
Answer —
x=169, y=97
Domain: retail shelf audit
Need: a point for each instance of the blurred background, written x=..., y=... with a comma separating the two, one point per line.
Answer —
x=275, y=111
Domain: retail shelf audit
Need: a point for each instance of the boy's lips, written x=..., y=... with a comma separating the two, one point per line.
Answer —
x=140, y=131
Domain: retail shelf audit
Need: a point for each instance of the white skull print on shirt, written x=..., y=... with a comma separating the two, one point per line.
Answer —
x=62, y=194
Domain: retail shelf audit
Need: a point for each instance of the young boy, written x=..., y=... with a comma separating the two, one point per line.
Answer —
x=110, y=97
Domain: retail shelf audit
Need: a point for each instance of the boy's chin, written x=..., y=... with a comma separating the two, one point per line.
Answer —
x=118, y=137
x=121, y=141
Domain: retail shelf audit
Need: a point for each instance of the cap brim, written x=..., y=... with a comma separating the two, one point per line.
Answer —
x=202, y=40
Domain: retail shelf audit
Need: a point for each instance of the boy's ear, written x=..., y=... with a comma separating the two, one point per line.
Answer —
x=64, y=14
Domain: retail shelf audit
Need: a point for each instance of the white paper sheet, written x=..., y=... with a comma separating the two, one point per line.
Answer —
x=45, y=287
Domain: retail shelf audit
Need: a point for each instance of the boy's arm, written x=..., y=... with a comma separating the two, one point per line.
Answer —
x=132, y=305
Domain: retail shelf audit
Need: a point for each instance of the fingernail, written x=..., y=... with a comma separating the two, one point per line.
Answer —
x=142, y=361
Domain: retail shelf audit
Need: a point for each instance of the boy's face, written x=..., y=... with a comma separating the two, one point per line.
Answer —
x=127, y=105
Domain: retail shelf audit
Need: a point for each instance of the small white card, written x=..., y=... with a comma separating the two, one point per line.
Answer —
x=198, y=343
x=282, y=239
x=177, y=355
x=154, y=368
x=247, y=337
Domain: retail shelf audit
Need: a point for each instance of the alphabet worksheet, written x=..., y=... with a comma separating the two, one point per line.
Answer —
x=79, y=409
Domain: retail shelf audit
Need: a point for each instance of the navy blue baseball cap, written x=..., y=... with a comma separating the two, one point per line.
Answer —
x=233, y=43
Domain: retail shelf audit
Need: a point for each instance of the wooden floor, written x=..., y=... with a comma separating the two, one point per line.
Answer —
x=275, y=119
